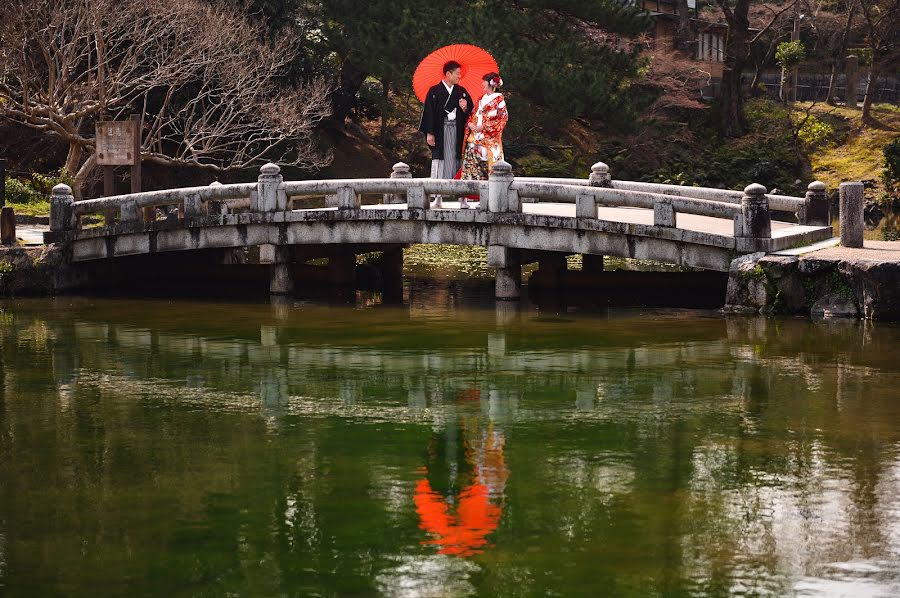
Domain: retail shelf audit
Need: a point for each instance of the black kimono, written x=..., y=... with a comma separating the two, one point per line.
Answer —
x=438, y=103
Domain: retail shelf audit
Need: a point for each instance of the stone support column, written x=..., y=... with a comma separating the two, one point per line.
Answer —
x=591, y=264
x=508, y=278
x=342, y=268
x=552, y=269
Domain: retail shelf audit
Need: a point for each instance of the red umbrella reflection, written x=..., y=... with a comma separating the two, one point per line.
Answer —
x=465, y=532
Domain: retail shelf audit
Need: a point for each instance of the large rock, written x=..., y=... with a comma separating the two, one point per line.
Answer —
x=746, y=292
x=876, y=286
x=835, y=305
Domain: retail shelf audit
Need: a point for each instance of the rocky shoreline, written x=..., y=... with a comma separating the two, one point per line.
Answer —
x=835, y=283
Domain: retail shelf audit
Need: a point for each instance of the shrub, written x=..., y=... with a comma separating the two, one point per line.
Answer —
x=21, y=192
x=814, y=132
x=892, y=162
x=790, y=54
x=36, y=188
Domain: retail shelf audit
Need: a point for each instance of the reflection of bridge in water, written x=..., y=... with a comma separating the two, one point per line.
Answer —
x=282, y=224
x=569, y=428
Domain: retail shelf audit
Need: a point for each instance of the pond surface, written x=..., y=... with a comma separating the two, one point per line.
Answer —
x=187, y=448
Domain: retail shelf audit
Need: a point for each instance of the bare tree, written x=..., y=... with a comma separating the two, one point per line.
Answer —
x=883, y=37
x=738, y=46
x=205, y=79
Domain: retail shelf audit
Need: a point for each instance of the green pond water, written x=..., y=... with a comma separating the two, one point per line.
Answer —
x=190, y=448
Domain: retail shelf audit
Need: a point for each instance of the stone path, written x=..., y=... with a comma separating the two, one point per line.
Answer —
x=876, y=251
x=32, y=234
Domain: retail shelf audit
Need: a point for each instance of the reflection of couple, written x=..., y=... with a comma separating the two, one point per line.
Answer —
x=458, y=499
x=460, y=130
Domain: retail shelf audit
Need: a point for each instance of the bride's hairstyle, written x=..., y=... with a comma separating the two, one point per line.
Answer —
x=494, y=80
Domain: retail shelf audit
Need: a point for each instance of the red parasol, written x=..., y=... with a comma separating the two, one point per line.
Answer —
x=476, y=63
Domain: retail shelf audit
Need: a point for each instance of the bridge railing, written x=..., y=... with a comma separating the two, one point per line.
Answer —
x=750, y=210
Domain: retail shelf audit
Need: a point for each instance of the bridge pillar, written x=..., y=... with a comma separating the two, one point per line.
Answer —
x=756, y=222
x=399, y=171
x=342, y=268
x=268, y=197
x=552, y=267
x=816, y=209
x=600, y=176
x=499, y=183
x=591, y=264
x=508, y=278
x=281, y=276
x=62, y=212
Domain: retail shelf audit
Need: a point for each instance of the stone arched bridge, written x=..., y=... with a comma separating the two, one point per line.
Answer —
x=518, y=219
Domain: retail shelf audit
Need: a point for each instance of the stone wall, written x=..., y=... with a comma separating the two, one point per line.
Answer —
x=37, y=271
x=814, y=287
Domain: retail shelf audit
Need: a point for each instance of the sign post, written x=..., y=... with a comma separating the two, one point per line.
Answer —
x=2, y=182
x=119, y=144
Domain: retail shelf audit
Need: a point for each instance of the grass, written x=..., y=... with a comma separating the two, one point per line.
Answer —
x=38, y=208
x=855, y=153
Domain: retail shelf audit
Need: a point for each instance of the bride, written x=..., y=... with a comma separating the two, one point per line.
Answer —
x=484, y=133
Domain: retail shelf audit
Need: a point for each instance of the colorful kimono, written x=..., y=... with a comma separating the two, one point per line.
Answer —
x=486, y=146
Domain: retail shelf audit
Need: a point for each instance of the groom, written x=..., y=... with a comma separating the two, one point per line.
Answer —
x=447, y=108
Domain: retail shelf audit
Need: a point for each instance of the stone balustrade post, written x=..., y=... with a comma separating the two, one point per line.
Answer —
x=399, y=171
x=815, y=208
x=217, y=207
x=600, y=176
x=130, y=212
x=416, y=199
x=348, y=199
x=193, y=206
x=585, y=206
x=62, y=210
x=499, y=183
x=852, y=203
x=756, y=220
x=269, y=197
x=664, y=213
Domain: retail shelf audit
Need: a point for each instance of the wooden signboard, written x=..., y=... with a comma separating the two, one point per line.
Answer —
x=116, y=143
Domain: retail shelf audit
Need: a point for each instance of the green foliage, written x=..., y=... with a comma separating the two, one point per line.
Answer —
x=864, y=55
x=815, y=133
x=6, y=270
x=19, y=192
x=790, y=54
x=765, y=155
x=36, y=188
x=542, y=166
x=544, y=48
x=892, y=162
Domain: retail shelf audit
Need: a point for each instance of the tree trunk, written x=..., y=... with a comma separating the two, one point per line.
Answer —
x=871, y=89
x=683, y=39
x=344, y=98
x=385, y=112
x=731, y=103
x=840, y=53
x=832, y=80
x=73, y=158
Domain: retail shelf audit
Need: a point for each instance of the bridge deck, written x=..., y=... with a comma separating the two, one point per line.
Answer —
x=692, y=222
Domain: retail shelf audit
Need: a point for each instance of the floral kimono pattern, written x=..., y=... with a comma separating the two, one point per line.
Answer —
x=486, y=146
